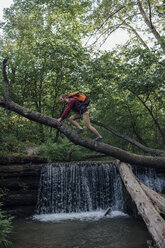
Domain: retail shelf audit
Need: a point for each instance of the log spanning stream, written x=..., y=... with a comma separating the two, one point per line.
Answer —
x=72, y=201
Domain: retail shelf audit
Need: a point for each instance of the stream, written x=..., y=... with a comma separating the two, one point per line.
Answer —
x=80, y=230
x=72, y=201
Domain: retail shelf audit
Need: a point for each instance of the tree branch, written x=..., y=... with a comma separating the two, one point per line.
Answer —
x=135, y=32
x=132, y=141
x=150, y=14
x=154, y=119
x=111, y=15
x=6, y=81
x=145, y=161
x=150, y=25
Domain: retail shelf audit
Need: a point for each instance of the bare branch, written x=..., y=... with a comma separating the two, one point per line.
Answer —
x=150, y=14
x=111, y=15
x=6, y=81
x=153, y=117
x=132, y=141
x=150, y=25
x=136, y=33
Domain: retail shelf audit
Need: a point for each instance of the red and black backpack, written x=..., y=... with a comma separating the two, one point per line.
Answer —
x=82, y=98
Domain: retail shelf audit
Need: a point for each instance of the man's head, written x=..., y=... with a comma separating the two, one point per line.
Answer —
x=64, y=98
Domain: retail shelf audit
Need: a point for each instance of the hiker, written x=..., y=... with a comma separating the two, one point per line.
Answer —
x=81, y=111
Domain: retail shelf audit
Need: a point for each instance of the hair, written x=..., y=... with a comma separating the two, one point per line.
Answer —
x=64, y=96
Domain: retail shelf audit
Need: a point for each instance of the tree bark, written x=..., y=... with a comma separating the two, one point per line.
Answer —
x=145, y=161
x=6, y=81
x=150, y=25
x=154, y=222
x=132, y=141
x=157, y=199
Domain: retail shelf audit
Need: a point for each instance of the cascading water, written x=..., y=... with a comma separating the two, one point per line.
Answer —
x=80, y=187
x=150, y=178
x=67, y=188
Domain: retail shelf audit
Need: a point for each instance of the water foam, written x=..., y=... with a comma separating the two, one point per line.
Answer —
x=83, y=216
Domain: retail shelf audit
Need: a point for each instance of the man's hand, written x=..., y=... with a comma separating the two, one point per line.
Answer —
x=59, y=120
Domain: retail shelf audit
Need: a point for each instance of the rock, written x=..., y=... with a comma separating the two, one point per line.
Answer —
x=20, y=182
x=17, y=159
x=32, y=150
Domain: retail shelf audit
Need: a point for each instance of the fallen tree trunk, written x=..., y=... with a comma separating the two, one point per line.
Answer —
x=145, y=161
x=157, y=199
x=155, y=223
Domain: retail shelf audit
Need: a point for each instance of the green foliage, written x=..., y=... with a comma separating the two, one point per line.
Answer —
x=130, y=17
x=59, y=151
x=43, y=40
x=5, y=226
x=5, y=229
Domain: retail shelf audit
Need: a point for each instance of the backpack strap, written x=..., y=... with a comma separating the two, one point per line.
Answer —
x=76, y=93
x=84, y=103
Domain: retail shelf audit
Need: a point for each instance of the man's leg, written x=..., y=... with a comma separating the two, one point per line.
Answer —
x=86, y=119
x=75, y=123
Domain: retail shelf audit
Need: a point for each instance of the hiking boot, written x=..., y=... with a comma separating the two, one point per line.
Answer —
x=80, y=130
x=98, y=139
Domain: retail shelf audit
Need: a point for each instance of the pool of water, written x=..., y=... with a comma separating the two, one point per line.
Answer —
x=80, y=231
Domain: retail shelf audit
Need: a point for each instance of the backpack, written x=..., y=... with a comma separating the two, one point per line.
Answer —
x=82, y=98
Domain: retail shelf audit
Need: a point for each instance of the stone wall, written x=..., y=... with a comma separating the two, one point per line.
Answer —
x=20, y=185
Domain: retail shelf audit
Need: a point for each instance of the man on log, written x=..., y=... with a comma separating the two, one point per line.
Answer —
x=81, y=112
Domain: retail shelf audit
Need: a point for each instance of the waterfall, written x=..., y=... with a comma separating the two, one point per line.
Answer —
x=150, y=178
x=67, y=188
x=84, y=187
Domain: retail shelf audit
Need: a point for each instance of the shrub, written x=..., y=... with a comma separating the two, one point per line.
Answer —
x=5, y=227
x=58, y=151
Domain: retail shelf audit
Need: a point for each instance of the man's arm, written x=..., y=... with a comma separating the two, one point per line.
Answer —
x=66, y=111
x=59, y=119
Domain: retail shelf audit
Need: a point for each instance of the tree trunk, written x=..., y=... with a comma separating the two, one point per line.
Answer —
x=145, y=161
x=157, y=199
x=155, y=223
x=150, y=25
x=6, y=81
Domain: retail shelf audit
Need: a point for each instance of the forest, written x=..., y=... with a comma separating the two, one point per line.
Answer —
x=45, y=40
x=50, y=47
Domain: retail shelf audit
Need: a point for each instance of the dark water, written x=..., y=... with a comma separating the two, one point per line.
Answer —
x=120, y=232
x=68, y=217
